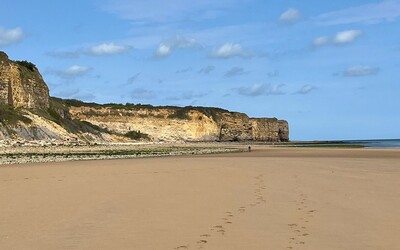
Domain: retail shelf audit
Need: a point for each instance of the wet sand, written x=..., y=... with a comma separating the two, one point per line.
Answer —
x=270, y=198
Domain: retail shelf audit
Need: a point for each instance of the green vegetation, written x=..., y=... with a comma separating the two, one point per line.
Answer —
x=27, y=65
x=11, y=116
x=136, y=135
x=180, y=112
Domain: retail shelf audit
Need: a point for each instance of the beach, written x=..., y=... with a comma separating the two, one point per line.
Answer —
x=270, y=198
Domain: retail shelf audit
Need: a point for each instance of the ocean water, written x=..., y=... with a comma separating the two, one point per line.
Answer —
x=388, y=143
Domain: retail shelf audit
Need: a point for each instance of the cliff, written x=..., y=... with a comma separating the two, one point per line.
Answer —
x=27, y=112
x=183, y=124
x=21, y=85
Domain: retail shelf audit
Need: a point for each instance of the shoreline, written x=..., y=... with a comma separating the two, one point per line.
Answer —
x=13, y=155
x=38, y=154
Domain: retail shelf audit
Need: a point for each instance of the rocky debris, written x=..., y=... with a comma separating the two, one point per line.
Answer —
x=16, y=152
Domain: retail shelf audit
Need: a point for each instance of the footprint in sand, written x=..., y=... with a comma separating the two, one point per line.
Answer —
x=182, y=247
x=201, y=243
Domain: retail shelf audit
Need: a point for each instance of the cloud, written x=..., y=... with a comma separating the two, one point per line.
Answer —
x=187, y=96
x=142, y=94
x=321, y=41
x=368, y=13
x=181, y=71
x=107, y=49
x=103, y=49
x=207, y=70
x=178, y=42
x=235, y=71
x=306, y=89
x=75, y=94
x=229, y=50
x=133, y=78
x=163, y=50
x=72, y=72
x=340, y=38
x=10, y=36
x=347, y=36
x=356, y=71
x=290, y=16
x=261, y=89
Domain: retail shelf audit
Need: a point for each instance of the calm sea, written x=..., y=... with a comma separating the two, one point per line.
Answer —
x=388, y=143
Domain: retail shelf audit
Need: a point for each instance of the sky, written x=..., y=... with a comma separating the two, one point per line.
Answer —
x=330, y=68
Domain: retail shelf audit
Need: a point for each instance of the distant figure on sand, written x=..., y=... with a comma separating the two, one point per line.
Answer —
x=249, y=149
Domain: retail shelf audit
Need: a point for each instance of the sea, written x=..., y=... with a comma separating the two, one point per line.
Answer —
x=386, y=143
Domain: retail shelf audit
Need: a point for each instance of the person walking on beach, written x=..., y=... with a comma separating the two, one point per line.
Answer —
x=249, y=148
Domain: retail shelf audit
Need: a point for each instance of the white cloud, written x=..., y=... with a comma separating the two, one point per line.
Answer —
x=360, y=71
x=306, y=89
x=10, y=36
x=163, y=50
x=368, y=13
x=340, y=38
x=321, y=41
x=347, y=36
x=178, y=42
x=107, y=49
x=261, y=89
x=76, y=70
x=229, y=50
x=71, y=72
x=290, y=16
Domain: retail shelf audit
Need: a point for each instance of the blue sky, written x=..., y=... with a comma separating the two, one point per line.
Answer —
x=330, y=68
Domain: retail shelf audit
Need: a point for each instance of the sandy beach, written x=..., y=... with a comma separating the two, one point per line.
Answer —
x=270, y=198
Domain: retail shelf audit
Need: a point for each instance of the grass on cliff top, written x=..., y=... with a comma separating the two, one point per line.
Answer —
x=179, y=112
x=11, y=116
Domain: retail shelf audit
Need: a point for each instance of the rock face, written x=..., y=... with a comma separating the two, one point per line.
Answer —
x=162, y=124
x=21, y=85
x=27, y=112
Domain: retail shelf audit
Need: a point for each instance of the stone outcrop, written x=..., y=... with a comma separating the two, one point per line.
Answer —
x=21, y=85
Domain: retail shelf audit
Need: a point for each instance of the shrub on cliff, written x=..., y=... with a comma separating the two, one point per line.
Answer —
x=27, y=65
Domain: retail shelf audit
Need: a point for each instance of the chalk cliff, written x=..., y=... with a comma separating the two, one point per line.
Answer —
x=27, y=112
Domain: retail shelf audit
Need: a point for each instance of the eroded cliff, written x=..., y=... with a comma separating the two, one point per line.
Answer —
x=27, y=112
x=184, y=124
